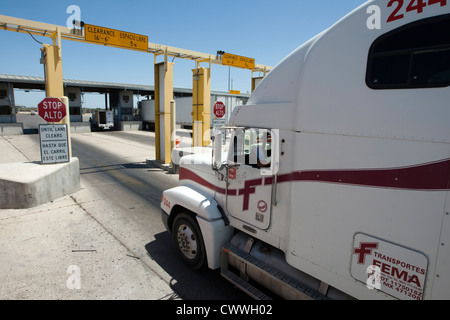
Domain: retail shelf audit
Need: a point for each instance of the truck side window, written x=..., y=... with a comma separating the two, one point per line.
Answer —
x=252, y=147
x=414, y=56
x=257, y=146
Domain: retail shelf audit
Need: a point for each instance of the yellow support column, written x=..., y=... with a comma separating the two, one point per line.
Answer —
x=66, y=121
x=255, y=82
x=163, y=96
x=201, y=107
x=54, y=86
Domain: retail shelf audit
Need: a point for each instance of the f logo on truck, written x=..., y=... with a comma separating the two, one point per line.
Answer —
x=365, y=248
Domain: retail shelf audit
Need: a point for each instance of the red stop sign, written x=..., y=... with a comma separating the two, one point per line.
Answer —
x=219, y=109
x=52, y=110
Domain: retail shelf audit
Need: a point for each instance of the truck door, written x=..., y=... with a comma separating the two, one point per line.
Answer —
x=250, y=176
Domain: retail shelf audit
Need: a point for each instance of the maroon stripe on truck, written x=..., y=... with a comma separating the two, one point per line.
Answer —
x=186, y=174
x=429, y=176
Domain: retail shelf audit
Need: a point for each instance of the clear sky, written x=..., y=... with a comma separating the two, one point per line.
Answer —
x=266, y=30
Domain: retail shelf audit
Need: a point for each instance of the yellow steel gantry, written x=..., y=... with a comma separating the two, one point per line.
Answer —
x=201, y=78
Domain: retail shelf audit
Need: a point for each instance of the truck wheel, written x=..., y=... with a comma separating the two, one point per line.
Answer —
x=189, y=241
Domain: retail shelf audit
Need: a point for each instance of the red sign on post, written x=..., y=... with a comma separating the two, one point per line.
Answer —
x=219, y=109
x=52, y=110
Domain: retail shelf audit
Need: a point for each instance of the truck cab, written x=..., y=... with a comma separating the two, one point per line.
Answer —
x=335, y=174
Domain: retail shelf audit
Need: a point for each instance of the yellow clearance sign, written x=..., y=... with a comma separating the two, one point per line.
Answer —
x=113, y=37
x=238, y=61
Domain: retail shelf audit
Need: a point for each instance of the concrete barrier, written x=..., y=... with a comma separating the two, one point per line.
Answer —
x=10, y=129
x=130, y=125
x=30, y=184
x=80, y=127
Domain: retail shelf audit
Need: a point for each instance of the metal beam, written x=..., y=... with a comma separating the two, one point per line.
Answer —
x=38, y=28
x=64, y=33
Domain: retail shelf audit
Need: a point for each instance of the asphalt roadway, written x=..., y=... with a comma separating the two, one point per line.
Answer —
x=75, y=248
x=59, y=251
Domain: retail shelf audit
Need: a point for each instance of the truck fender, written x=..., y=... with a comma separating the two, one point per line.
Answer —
x=208, y=214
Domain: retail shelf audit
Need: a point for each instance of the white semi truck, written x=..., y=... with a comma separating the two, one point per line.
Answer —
x=102, y=120
x=334, y=180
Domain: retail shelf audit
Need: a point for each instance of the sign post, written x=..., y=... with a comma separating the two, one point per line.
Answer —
x=116, y=38
x=219, y=113
x=232, y=60
x=54, y=143
x=219, y=109
x=53, y=138
x=52, y=109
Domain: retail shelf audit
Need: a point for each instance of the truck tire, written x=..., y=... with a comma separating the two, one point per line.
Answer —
x=189, y=241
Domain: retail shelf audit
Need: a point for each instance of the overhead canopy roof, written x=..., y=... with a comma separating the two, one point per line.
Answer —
x=38, y=83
